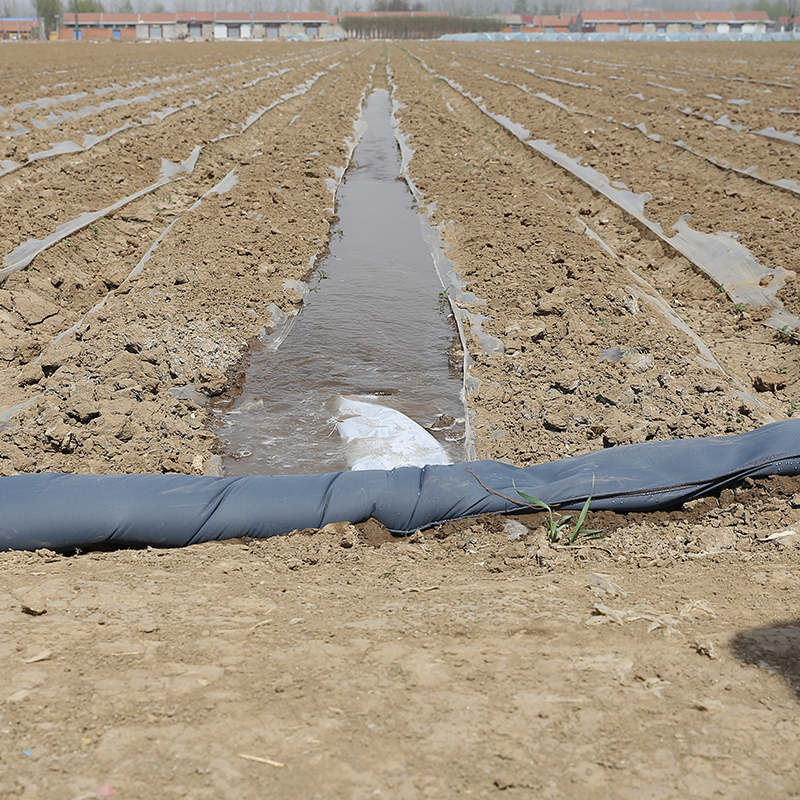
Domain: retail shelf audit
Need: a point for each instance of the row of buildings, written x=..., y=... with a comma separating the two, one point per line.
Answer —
x=182, y=25
x=15, y=28
x=218, y=25
x=654, y=22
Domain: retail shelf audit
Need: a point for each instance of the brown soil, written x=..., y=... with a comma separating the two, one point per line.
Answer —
x=660, y=661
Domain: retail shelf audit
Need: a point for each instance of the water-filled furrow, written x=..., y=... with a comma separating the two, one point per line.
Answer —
x=374, y=326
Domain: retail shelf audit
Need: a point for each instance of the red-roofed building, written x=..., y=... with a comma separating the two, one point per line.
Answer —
x=17, y=28
x=201, y=25
x=747, y=22
x=546, y=23
x=733, y=21
x=194, y=24
x=600, y=21
x=512, y=23
x=99, y=26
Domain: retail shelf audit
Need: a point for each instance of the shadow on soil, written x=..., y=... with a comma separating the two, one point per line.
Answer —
x=775, y=647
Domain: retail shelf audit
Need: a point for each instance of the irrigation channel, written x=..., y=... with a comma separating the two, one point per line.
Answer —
x=373, y=328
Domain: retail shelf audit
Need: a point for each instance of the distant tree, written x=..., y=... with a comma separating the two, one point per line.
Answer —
x=50, y=12
x=88, y=6
x=775, y=9
x=126, y=7
x=158, y=8
x=406, y=26
x=317, y=5
x=547, y=9
x=397, y=6
x=521, y=6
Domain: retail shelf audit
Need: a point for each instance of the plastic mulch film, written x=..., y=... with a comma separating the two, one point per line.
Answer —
x=21, y=256
x=750, y=172
x=730, y=265
x=644, y=291
x=90, y=140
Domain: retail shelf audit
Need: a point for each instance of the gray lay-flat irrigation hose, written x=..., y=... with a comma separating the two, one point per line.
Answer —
x=68, y=512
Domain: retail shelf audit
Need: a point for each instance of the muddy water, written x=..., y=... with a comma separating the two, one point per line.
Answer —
x=373, y=326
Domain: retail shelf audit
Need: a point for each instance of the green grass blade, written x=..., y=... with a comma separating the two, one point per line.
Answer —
x=581, y=518
x=533, y=500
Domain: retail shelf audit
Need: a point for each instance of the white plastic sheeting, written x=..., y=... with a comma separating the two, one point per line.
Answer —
x=21, y=256
x=719, y=255
x=379, y=437
x=618, y=37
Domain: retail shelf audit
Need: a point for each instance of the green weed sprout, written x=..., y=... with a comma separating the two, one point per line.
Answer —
x=555, y=525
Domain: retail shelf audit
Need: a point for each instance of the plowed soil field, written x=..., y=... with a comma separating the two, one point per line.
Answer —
x=157, y=204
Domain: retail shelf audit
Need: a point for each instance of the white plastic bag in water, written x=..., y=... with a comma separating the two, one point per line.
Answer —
x=378, y=437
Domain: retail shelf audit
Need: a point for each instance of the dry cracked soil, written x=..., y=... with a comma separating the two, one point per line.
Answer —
x=157, y=202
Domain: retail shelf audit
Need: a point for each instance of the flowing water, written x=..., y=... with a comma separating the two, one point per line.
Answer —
x=374, y=326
